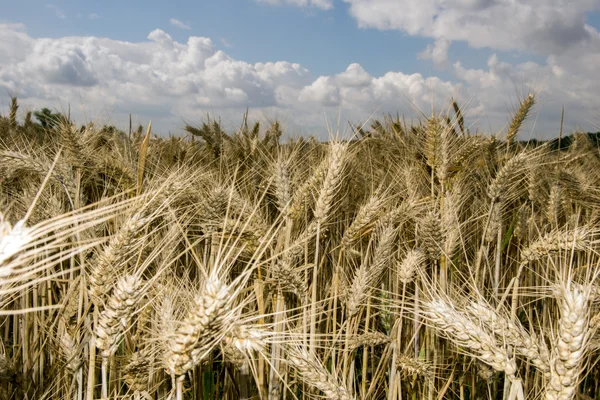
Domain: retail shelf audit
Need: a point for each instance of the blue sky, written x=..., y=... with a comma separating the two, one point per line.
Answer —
x=326, y=41
x=406, y=52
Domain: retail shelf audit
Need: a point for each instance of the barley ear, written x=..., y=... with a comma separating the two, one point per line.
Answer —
x=332, y=181
x=12, y=116
x=571, y=343
x=459, y=116
x=519, y=117
x=115, y=317
x=142, y=159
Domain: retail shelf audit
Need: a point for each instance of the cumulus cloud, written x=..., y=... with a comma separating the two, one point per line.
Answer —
x=354, y=76
x=321, y=4
x=553, y=29
x=160, y=76
x=540, y=26
x=323, y=92
x=561, y=81
x=170, y=81
x=93, y=16
x=438, y=52
x=15, y=43
x=65, y=64
x=179, y=24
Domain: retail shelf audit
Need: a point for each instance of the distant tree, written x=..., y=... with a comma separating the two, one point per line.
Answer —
x=213, y=135
x=595, y=138
x=47, y=118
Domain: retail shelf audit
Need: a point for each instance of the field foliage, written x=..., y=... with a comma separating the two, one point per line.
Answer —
x=410, y=262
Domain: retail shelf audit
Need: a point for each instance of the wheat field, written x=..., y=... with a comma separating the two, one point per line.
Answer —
x=410, y=262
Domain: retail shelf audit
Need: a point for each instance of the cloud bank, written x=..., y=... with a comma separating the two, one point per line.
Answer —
x=171, y=82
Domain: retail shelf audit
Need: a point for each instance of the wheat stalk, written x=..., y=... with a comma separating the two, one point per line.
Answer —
x=368, y=339
x=200, y=330
x=365, y=219
x=553, y=242
x=115, y=255
x=242, y=341
x=512, y=333
x=283, y=189
x=115, y=317
x=368, y=274
x=410, y=265
x=519, y=117
x=12, y=115
x=463, y=331
x=313, y=373
x=136, y=372
x=332, y=181
x=570, y=344
x=410, y=366
x=431, y=235
x=288, y=278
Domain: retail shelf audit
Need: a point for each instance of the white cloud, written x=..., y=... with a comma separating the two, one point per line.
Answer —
x=15, y=43
x=93, y=16
x=58, y=63
x=170, y=81
x=161, y=78
x=563, y=80
x=540, y=26
x=354, y=76
x=57, y=11
x=438, y=52
x=181, y=25
x=323, y=92
x=553, y=29
x=321, y=4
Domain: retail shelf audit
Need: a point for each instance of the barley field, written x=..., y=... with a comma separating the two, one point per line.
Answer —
x=410, y=262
